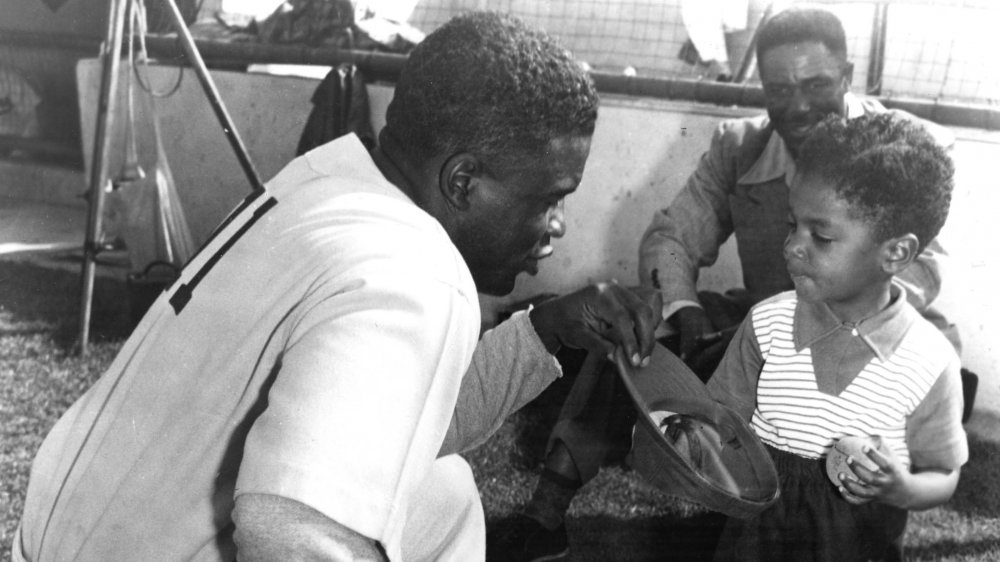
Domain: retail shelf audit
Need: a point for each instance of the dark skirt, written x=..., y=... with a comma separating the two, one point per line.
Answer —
x=811, y=521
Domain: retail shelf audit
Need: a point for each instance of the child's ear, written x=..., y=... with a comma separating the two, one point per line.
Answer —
x=899, y=252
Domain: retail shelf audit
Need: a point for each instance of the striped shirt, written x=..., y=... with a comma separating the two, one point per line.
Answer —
x=814, y=379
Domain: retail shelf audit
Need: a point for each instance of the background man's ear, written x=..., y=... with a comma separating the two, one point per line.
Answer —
x=900, y=253
x=849, y=72
x=456, y=179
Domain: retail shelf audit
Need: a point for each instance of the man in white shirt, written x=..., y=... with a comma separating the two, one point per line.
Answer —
x=300, y=391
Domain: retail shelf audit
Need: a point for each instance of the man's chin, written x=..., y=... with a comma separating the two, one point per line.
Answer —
x=497, y=287
x=503, y=284
x=793, y=140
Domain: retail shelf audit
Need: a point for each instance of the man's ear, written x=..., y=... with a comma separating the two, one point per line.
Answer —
x=456, y=179
x=899, y=252
x=848, y=73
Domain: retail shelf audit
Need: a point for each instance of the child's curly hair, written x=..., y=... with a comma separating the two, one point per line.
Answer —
x=489, y=84
x=888, y=168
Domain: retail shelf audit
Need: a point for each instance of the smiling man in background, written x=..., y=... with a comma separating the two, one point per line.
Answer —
x=740, y=189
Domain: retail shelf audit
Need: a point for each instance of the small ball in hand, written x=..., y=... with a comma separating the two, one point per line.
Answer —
x=849, y=446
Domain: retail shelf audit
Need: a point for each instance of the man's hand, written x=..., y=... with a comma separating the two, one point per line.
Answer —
x=709, y=349
x=600, y=318
x=693, y=324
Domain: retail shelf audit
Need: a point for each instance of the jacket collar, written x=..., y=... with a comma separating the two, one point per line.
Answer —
x=882, y=332
x=776, y=161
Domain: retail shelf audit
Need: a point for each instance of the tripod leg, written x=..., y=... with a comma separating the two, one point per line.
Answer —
x=107, y=102
x=198, y=64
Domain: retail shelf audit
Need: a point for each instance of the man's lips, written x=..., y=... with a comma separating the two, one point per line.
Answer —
x=800, y=129
x=537, y=255
x=542, y=252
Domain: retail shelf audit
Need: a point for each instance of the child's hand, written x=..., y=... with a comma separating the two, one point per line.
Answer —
x=889, y=483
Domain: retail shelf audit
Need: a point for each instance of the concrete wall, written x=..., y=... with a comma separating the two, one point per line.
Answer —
x=642, y=152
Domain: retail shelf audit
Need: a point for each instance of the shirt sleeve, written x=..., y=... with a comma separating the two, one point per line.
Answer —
x=362, y=396
x=687, y=235
x=734, y=382
x=922, y=279
x=510, y=367
x=934, y=433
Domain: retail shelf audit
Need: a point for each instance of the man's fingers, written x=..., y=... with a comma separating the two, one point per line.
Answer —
x=622, y=330
x=601, y=317
x=688, y=346
x=644, y=306
x=693, y=323
x=630, y=320
x=593, y=341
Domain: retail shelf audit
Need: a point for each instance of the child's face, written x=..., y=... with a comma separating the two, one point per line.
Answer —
x=831, y=255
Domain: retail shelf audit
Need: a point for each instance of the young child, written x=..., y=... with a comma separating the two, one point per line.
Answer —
x=845, y=354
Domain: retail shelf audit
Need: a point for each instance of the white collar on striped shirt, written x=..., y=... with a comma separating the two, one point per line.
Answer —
x=882, y=332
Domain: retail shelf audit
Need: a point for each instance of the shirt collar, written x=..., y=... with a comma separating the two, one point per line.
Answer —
x=776, y=161
x=882, y=332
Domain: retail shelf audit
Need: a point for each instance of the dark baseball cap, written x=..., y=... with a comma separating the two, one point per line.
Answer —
x=710, y=455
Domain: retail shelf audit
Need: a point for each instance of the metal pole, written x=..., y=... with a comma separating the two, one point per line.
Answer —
x=876, y=59
x=187, y=44
x=107, y=101
x=749, y=62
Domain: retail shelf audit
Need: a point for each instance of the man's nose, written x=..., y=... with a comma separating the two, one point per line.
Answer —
x=799, y=102
x=557, y=221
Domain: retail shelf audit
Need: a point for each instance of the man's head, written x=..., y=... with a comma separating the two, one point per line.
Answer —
x=868, y=195
x=802, y=60
x=495, y=120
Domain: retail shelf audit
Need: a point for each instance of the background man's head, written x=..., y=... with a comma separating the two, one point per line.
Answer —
x=888, y=169
x=802, y=60
x=498, y=119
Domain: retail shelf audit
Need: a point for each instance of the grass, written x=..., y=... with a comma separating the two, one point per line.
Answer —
x=616, y=517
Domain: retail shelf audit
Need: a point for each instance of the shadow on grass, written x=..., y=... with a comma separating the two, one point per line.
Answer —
x=977, y=493
x=34, y=298
x=983, y=549
x=642, y=539
x=691, y=539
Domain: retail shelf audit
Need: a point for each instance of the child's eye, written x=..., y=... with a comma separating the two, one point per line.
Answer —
x=820, y=239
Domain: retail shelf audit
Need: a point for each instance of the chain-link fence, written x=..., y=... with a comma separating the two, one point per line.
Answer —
x=929, y=50
x=939, y=50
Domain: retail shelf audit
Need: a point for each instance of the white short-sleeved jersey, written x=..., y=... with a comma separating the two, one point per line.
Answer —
x=312, y=349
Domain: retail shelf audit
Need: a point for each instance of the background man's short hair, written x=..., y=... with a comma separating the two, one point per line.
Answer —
x=888, y=168
x=802, y=24
x=489, y=84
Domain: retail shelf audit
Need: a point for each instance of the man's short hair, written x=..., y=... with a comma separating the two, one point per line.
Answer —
x=488, y=84
x=800, y=25
x=888, y=169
